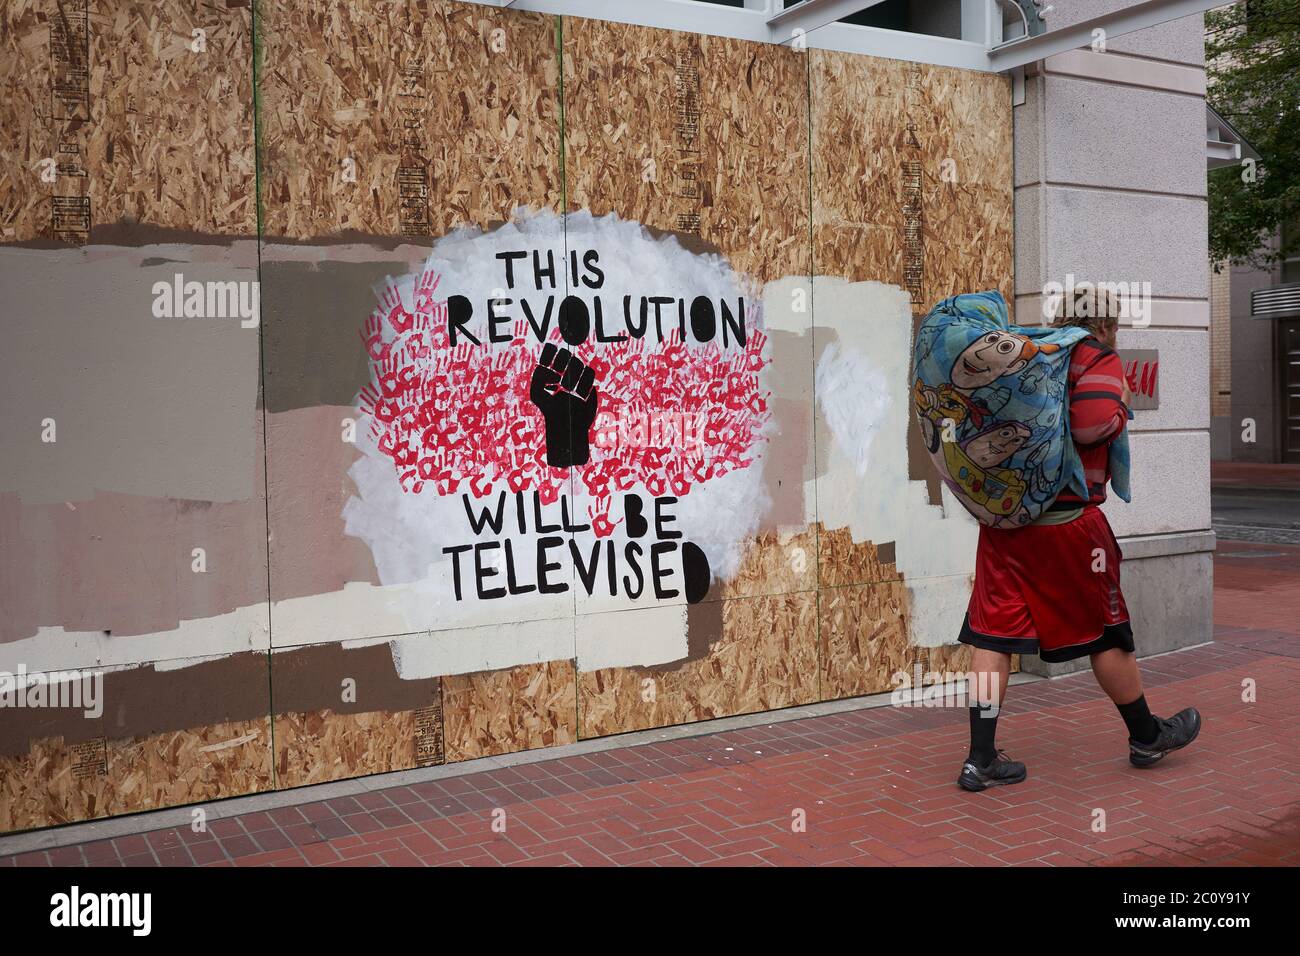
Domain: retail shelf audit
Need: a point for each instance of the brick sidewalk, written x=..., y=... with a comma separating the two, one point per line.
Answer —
x=876, y=785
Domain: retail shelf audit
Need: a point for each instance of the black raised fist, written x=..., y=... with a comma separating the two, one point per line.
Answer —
x=563, y=389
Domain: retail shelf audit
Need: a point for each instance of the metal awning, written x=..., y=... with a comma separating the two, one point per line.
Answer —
x=817, y=24
x=1276, y=302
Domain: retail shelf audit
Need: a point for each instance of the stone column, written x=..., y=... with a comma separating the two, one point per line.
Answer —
x=1110, y=174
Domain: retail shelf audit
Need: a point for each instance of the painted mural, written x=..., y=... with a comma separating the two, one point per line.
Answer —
x=488, y=381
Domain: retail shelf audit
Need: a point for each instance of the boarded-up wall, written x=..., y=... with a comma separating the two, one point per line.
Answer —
x=270, y=524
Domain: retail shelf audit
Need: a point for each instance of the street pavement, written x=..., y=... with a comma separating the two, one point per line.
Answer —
x=1250, y=502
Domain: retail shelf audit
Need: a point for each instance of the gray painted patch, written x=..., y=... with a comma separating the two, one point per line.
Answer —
x=312, y=317
x=138, y=404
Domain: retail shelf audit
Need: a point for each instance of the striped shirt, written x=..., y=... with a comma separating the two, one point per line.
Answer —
x=1097, y=415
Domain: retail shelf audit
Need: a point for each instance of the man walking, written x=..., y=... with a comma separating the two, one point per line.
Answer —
x=1052, y=587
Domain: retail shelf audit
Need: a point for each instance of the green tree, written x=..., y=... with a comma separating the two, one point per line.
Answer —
x=1252, y=52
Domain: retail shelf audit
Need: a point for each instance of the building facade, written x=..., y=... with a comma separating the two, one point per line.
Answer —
x=302, y=460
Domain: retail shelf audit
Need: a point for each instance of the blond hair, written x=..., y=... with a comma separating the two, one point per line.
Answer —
x=1095, y=308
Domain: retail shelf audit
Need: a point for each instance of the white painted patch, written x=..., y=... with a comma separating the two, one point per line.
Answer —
x=54, y=648
x=471, y=650
x=726, y=517
x=175, y=665
x=855, y=399
x=637, y=638
x=788, y=304
x=936, y=603
x=863, y=335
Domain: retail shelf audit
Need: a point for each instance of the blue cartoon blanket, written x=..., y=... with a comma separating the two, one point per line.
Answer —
x=992, y=400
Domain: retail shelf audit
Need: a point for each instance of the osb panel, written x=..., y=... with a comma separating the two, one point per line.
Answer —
x=774, y=563
x=841, y=560
x=444, y=113
x=703, y=136
x=57, y=783
x=505, y=711
x=871, y=117
x=765, y=660
x=149, y=120
x=863, y=639
x=320, y=746
x=955, y=659
x=951, y=658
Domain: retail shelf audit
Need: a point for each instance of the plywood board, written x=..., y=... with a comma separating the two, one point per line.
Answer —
x=912, y=201
x=843, y=561
x=522, y=708
x=911, y=174
x=346, y=712
x=124, y=118
x=763, y=657
x=839, y=195
x=446, y=114
x=56, y=782
x=698, y=135
x=320, y=746
x=124, y=739
x=704, y=139
x=134, y=521
x=775, y=563
x=862, y=638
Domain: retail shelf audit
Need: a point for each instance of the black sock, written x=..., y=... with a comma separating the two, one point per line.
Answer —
x=1142, y=727
x=983, y=727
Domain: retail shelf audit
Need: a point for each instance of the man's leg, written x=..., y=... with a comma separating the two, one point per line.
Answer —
x=1117, y=672
x=1150, y=738
x=986, y=689
x=990, y=670
x=997, y=625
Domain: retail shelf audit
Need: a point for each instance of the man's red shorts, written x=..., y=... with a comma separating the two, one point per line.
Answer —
x=1049, y=589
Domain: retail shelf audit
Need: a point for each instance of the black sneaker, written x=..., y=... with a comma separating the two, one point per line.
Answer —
x=999, y=772
x=1175, y=734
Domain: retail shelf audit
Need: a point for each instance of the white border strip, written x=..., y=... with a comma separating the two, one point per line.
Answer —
x=693, y=16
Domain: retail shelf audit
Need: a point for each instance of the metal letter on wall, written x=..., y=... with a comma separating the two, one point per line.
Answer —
x=1142, y=369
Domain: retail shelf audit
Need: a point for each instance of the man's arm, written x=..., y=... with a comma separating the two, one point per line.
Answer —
x=1099, y=397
